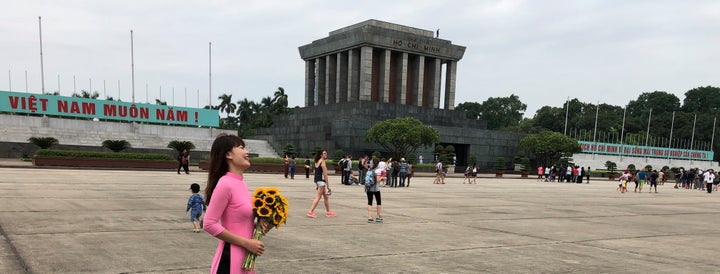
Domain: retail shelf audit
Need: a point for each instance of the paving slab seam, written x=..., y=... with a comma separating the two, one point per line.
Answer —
x=98, y=232
x=170, y=270
x=651, y=257
x=14, y=251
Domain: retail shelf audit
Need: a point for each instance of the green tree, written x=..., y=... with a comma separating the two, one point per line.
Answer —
x=280, y=101
x=401, y=136
x=472, y=109
x=289, y=150
x=181, y=145
x=116, y=145
x=226, y=104
x=86, y=94
x=550, y=146
x=501, y=112
x=702, y=99
x=43, y=142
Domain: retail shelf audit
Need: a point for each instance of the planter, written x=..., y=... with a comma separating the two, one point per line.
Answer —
x=524, y=174
x=611, y=176
x=498, y=173
x=105, y=163
x=254, y=167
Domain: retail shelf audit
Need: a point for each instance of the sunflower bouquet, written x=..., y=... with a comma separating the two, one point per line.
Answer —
x=268, y=206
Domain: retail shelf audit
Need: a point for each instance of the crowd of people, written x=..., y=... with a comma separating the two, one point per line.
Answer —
x=564, y=173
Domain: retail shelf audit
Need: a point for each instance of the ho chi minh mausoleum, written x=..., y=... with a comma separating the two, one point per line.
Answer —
x=374, y=71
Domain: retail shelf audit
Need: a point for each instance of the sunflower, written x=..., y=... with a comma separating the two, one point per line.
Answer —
x=282, y=199
x=257, y=203
x=280, y=210
x=278, y=220
x=272, y=191
x=264, y=211
x=259, y=192
x=269, y=200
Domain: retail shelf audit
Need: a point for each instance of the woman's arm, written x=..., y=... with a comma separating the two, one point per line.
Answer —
x=325, y=175
x=218, y=204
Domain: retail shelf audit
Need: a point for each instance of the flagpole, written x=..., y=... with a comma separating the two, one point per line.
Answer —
x=567, y=108
x=622, y=135
x=647, y=134
x=9, y=81
x=132, y=65
x=692, y=139
x=210, y=82
x=42, y=69
x=712, y=138
x=597, y=111
x=672, y=125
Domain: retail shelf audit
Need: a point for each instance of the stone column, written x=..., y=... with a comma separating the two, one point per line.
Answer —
x=419, y=77
x=402, y=76
x=450, y=78
x=310, y=83
x=365, y=73
x=384, y=90
x=321, y=81
x=330, y=78
x=342, y=77
x=353, y=90
x=436, y=82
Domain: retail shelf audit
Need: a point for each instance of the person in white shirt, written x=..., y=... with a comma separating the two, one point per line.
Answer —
x=709, y=178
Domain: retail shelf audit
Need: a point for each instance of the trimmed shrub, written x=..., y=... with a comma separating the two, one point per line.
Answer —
x=54, y=153
x=43, y=142
x=116, y=145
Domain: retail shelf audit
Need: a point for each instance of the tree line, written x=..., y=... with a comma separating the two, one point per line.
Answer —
x=697, y=109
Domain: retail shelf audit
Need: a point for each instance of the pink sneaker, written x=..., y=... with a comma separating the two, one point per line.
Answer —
x=311, y=214
x=330, y=214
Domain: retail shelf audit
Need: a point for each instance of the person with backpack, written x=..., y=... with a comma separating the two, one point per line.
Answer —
x=347, y=169
x=362, y=169
x=402, y=171
x=373, y=190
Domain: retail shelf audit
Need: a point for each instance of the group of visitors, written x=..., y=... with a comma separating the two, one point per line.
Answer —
x=697, y=179
x=640, y=177
x=564, y=173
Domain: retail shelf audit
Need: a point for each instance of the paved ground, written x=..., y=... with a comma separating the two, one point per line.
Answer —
x=108, y=221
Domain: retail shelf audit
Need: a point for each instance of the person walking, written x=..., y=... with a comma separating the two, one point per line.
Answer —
x=286, y=165
x=362, y=169
x=322, y=185
x=372, y=190
x=402, y=171
x=438, y=173
x=184, y=161
x=709, y=178
x=292, y=167
x=229, y=216
x=307, y=168
x=195, y=206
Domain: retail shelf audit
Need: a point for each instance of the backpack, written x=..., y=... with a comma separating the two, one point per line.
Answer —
x=370, y=180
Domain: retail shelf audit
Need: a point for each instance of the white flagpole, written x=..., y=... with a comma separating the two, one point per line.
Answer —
x=146, y=94
x=210, y=81
x=74, y=85
x=597, y=111
x=26, y=83
x=672, y=125
x=132, y=65
x=622, y=134
x=9, y=81
x=42, y=69
x=712, y=138
x=647, y=134
x=58, y=83
x=104, y=91
x=692, y=139
x=567, y=108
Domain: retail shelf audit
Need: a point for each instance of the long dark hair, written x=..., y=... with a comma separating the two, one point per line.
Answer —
x=318, y=155
x=223, y=144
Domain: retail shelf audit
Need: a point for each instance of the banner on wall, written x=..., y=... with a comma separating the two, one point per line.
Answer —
x=46, y=104
x=645, y=151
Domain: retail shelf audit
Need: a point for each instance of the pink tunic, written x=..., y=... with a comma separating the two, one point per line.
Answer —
x=231, y=205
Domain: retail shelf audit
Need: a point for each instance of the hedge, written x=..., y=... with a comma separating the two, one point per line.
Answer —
x=54, y=153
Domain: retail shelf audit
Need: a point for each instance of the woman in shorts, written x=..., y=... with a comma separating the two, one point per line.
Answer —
x=321, y=182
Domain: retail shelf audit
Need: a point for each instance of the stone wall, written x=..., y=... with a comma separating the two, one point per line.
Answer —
x=79, y=134
x=343, y=126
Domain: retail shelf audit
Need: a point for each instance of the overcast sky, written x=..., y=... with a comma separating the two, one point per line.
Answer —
x=543, y=51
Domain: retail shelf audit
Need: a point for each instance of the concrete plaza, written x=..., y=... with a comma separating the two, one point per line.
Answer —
x=118, y=221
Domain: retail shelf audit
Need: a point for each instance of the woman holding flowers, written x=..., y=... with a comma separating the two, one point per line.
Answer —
x=321, y=181
x=230, y=216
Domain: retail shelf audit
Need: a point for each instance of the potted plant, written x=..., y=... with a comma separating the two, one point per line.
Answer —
x=525, y=168
x=499, y=166
x=611, y=166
